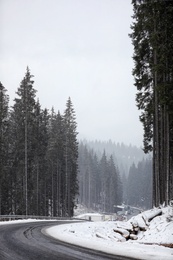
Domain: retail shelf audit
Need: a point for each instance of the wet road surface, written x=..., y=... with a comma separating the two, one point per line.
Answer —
x=27, y=242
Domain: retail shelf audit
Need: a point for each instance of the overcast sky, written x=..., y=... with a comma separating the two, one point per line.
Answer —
x=76, y=48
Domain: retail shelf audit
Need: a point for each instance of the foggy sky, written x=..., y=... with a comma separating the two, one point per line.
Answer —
x=76, y=48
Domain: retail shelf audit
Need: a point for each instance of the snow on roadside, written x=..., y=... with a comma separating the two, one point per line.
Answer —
x=92, y=216
x=102, y=236
x=160, y=229
x=22, y=221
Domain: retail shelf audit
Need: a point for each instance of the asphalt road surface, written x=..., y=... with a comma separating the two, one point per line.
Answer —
x=27, y=242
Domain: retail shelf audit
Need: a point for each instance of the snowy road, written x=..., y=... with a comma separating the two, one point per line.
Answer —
x=27, y=242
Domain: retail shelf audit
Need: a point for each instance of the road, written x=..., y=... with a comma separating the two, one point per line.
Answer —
x=27, y=242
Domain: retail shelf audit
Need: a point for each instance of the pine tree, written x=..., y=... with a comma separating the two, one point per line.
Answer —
x=89, y=181
x=112, y=186
x=4, y=177
x=40, y=143
x=56, y=162
x=153, y=41
x=71, y=158
x=83, y=164
x=103, y=169
x=43, y=163
x=22, y=128
x=139, y=184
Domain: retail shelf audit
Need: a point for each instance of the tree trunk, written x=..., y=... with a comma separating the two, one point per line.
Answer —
x=26, y=151
x=156, y=170
x=167, y=181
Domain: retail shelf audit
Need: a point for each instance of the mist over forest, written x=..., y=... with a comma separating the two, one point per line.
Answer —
x=123, y=171
x=45, y=170
x=124, y=155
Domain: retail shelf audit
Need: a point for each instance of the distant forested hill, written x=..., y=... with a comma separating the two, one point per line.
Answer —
x=123, y=155
x=132, y=183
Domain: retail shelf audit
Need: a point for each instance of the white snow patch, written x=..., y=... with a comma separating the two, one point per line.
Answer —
x=101, y=236
x=92, y=216
x=22, y=221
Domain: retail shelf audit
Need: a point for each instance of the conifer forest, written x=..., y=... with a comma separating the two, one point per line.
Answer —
x=38, y=155
x=45, y=170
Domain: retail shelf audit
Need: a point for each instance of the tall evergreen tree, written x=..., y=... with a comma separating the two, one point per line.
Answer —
x=89, y=180
x=103, y=170
x=56, y=162
x=22, y=124
x=43, y=163
x=71, y=158
x=114, y=192
x=139, y=184
x=152, y=38
x=82, y=162
x=40, y=144
x=4, y=116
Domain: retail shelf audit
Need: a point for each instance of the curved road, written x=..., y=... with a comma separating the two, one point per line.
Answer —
x=27, y=242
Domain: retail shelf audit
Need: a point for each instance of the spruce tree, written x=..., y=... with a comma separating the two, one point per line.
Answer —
x=153, y=51
x=139, y=185
x=103, y=169
x=4, y=174
x=71, y=158
x=112, y=186
x=40, y=143
x=22, y=128
x=43, y=163
x=56, y=164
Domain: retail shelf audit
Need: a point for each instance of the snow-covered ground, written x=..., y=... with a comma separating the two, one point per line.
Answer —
x=153, y=230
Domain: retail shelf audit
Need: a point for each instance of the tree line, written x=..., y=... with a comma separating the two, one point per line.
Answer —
x=152, y=38
x=100, y=186
x=42, y=168
x=38, y=155
x=137, y=186
x=124, y=155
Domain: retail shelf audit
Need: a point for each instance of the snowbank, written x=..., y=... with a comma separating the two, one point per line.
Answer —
x=22, y=221
x=92, y=216
x=152, y=229
x=160, y=229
